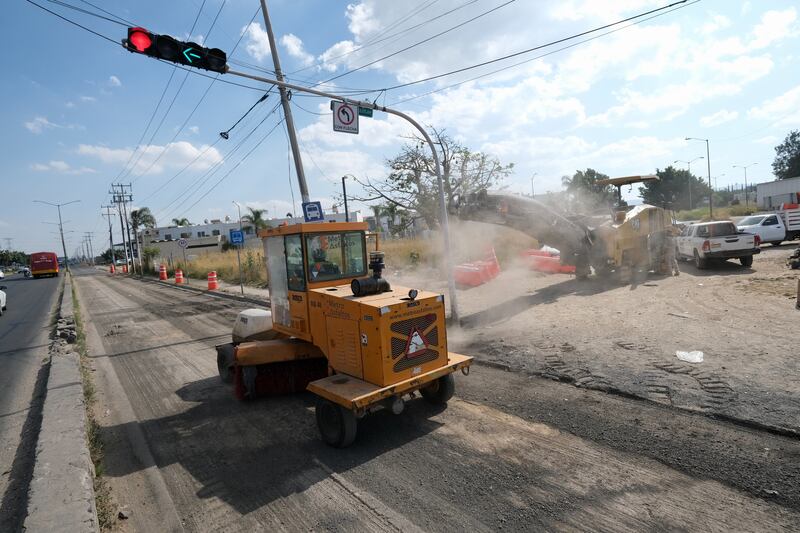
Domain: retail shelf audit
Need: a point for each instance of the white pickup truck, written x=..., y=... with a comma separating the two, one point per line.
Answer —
x=773, y=228
x=708, y=241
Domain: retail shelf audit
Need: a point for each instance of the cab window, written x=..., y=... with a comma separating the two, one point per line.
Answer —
x=771, y=221
x=334, y=256
x=294, y=263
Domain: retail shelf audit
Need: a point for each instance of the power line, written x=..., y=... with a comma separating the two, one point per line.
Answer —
x=86, y=12
x=414, y=45
x=73, y=22
x=508, y=67
x=401, y=32
x=539, y=47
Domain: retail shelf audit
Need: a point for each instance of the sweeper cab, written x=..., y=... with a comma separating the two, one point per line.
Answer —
x=338, y=328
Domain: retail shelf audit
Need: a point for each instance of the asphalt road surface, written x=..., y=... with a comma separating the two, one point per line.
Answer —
x=24, y=330
x=510, y=452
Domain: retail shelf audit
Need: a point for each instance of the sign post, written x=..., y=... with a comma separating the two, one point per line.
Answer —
x=183, y=243
x=237, y=238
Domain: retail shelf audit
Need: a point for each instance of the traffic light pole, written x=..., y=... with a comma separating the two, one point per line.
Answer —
x=287, y=109
x=451, y=284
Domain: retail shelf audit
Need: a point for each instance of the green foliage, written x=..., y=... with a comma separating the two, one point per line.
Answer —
x=256, y=218
x=787, y=157
x=583, y=191
x=106, y=256
x=181, y=222
x=412, y=185
x=142, y=218
x=8, y=257
x=675, y=189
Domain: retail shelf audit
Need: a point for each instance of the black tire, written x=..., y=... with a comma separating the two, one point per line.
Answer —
x=747, y=261
x=225, y=362
x=1, y=311
x=337, y=425
x=440, y=391
x=776, y=243
x=699, y=262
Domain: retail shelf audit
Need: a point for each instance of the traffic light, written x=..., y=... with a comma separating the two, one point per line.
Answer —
x=168, y=48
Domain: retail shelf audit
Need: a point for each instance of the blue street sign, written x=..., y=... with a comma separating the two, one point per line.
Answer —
x=312, y=212
x=237, y=236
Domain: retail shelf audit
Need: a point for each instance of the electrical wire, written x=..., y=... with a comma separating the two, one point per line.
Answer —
x=128, y=22
x=508, y=67
x=539, y=47
x=374, y=42
x=418, y=43
x=84, y=11
x=73, y=22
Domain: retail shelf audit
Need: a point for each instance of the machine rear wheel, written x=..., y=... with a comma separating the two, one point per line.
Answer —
x=440, y=391
x=225, y=362
x=699, y=262
x=336, y=425
x=747, y=261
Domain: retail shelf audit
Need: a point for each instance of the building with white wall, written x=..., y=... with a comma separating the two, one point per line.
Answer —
x=772, y=194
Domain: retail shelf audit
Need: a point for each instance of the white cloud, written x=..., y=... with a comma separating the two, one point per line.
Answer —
x=769, y=139
x=61, y=167
x=113, y=81
x=257, y=44
x=294, y=45
x=717, y=22
x=334, y=56
x=175, y=156
x=774, y=26
x=39, y=124
x=194, y=130
x=88, y=99
x=720, y=117
x=70, y=105
x=784, y=108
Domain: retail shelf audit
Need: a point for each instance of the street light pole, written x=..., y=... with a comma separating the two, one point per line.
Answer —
x=533, y=192
x=689, y=170
x=61, y=227
x=746, y=192
x=451, y=282
x=708, y=162
x=238, y=246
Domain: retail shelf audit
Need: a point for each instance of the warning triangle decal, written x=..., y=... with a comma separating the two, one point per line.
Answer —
x=416, y=344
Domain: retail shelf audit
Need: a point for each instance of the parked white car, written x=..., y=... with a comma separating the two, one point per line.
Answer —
x=769, y=227
x=2, y=274
x=2, y=299
x=708, y=241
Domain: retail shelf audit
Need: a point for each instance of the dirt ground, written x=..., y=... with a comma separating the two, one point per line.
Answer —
x=511, y=451
x=625, y=337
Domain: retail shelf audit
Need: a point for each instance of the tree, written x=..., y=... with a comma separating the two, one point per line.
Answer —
x=787, y=157
x=412, y=185
x=584, y=193
x=9, y=257
x=181, y=222
x=106, y=256
x=256, y=218
x=672, y=189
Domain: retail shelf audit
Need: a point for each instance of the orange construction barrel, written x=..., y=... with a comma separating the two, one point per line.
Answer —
x=212, y=281
x=162, y=273
x=179, y=277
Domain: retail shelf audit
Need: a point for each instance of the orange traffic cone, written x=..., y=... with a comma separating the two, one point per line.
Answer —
x=111, y=269
x=124, y=269
x=212, y=281
x=162, y=273
x=179, y=277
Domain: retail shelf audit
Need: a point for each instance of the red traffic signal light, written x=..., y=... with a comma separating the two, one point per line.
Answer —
x=170, y=49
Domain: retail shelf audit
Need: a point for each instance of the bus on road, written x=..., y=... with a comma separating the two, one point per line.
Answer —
x=44, y=264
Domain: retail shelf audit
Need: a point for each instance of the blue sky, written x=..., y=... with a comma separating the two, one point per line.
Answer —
x=75, y=105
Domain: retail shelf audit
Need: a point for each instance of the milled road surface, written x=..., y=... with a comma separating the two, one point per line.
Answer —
x=24, y=329
x=510, y=452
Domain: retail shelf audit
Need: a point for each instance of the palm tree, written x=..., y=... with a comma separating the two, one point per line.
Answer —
x=181, y=222
x=141, y=217
x=256, y=218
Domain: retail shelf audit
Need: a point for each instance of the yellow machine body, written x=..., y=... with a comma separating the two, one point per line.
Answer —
x=382, y=339
x=636, y=236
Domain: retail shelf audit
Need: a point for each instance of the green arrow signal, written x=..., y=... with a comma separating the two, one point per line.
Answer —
x=186, y=54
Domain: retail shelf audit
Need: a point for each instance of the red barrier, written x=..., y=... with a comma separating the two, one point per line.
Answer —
x=477, y=272
x=124, y=269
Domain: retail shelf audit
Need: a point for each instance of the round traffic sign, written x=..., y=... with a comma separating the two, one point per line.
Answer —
x=183, y=243
x=346, y=114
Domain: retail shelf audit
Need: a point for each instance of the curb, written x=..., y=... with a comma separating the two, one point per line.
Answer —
x=61, y=493
x=244, y=299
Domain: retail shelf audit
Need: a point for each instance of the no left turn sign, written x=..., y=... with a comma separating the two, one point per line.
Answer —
x=345, y=117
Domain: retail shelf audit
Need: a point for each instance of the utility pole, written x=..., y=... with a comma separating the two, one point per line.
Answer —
x=61, y=227
x=287, y=109
x=88, y=235
x=117, y=198
x=533, y=193
x=344, y=195
x=108, y=215
x=121, y=197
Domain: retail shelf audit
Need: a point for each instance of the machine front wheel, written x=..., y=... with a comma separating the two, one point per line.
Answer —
x=337, y=425
x=225, y=362
x=746, y=261
x=439, y=391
